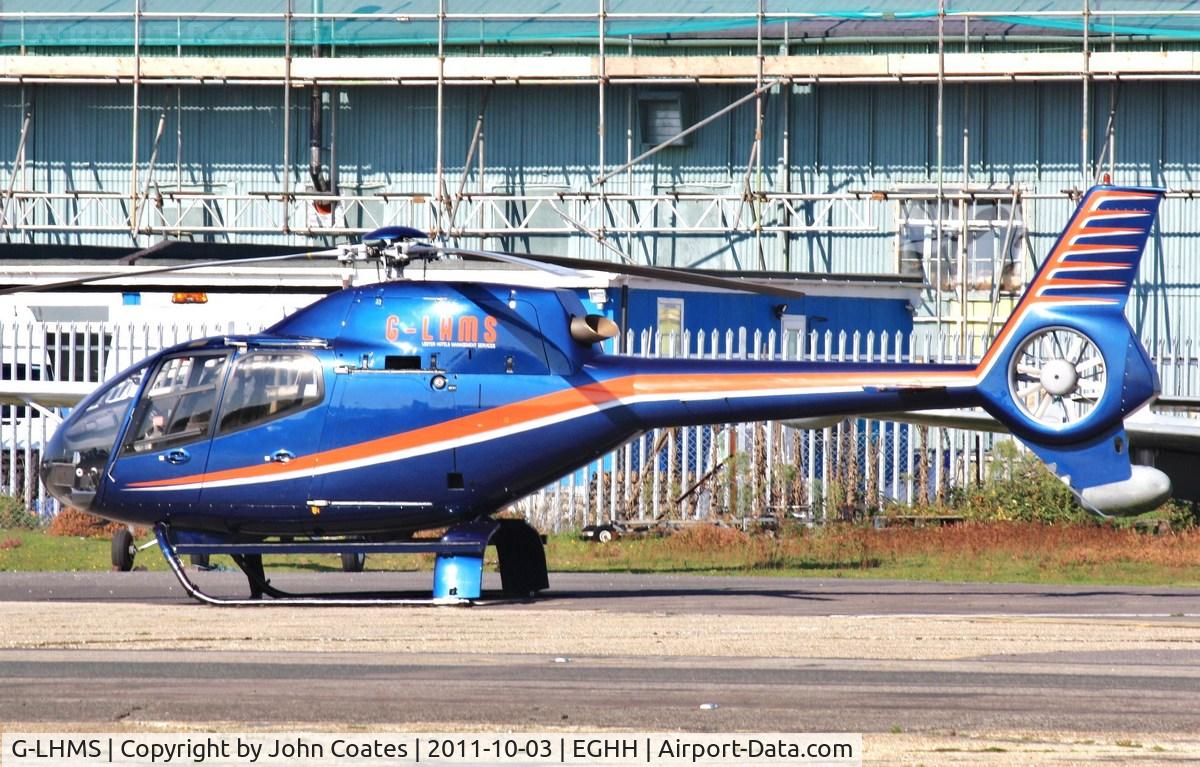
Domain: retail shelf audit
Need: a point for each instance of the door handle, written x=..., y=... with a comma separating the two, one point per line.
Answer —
x=176, y=456
x=279, y=456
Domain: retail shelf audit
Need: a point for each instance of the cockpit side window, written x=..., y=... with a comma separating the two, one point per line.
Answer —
x=177, y=406
x=268, y=385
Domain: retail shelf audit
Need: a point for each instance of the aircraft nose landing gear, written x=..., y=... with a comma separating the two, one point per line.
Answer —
x=123, y=550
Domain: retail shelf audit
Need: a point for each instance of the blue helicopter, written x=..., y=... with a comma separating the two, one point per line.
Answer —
x=387, y=409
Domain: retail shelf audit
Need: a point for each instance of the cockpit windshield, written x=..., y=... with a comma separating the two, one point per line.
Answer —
x=79, y=451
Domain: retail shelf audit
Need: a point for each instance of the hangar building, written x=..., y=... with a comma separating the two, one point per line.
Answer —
x=773, y=136
x=824, y=135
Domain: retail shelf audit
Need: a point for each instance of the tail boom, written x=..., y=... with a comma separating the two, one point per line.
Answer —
x=1062, y=374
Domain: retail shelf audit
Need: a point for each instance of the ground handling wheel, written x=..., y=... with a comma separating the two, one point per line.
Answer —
x=522, y=558
x=353, y=561
x=123, y=550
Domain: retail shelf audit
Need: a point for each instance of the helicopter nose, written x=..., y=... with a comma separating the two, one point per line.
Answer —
x=70, y=475
x=76, y=457
x=57, y=470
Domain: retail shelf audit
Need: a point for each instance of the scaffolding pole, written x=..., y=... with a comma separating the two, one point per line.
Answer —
x=1085, y=79
x=137, y=84
x=18, y=164
x=786, y=153
x=285, y=174
x=476, y=139
x=963, y=204
x=158, y=134
x=439, y=194
x=178, y=138
x=941, y=83
x=758, y=135
x=1110, y=130
x=754, y=161
x=602, y=83
x=629, y=122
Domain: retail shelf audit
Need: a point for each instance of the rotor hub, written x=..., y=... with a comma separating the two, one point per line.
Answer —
x=1059, y=377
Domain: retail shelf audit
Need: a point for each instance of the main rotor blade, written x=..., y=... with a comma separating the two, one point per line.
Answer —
x=571, y=267
x=163, y=270
x=492, y=255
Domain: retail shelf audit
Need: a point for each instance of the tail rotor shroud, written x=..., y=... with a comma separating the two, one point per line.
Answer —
x=1057, y=377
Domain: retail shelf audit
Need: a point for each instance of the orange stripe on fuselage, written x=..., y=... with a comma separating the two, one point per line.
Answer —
x=567, y=400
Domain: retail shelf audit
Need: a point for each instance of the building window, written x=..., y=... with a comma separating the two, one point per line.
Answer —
x=663, y=115
x=994, y=229
x=670, y=318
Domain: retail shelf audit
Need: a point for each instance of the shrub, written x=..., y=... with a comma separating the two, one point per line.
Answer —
x=705, y=537
x=1021, y=489
x=14, y=514
x=1178, y=515
x=79, y=524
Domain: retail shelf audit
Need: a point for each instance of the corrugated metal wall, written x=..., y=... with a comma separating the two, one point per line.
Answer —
x=842, y=137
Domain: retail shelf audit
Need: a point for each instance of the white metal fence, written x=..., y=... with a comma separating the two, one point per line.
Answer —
x=744, y=470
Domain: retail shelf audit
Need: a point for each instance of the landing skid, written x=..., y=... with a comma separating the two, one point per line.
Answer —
x=278, y=596
x=458, y=573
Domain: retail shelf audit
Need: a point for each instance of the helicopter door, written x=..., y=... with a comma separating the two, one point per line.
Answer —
x=268, y=418
x=165, y=449
x=386, y=423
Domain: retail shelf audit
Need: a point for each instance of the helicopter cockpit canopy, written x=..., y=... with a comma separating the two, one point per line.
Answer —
x=75, y=457
x=185, y=401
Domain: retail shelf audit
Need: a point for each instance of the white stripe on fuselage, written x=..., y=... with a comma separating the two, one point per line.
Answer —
x=525, y=426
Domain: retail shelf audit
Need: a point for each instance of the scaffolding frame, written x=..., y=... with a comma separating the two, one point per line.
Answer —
x=598, y=213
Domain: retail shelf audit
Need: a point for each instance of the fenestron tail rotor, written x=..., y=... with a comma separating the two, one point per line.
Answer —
x=1057, y=377
x=1067, y=368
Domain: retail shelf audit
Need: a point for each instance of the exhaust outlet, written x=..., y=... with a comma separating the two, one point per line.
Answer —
x=592, y=329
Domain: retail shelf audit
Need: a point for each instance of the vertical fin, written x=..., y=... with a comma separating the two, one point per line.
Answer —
x=1066, y=368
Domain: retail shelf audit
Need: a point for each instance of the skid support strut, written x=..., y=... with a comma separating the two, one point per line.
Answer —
x=458, y=573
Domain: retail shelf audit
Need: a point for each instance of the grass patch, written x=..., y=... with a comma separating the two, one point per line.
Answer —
x=38, y=551
x=1023, y=552
x=1000, y=552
